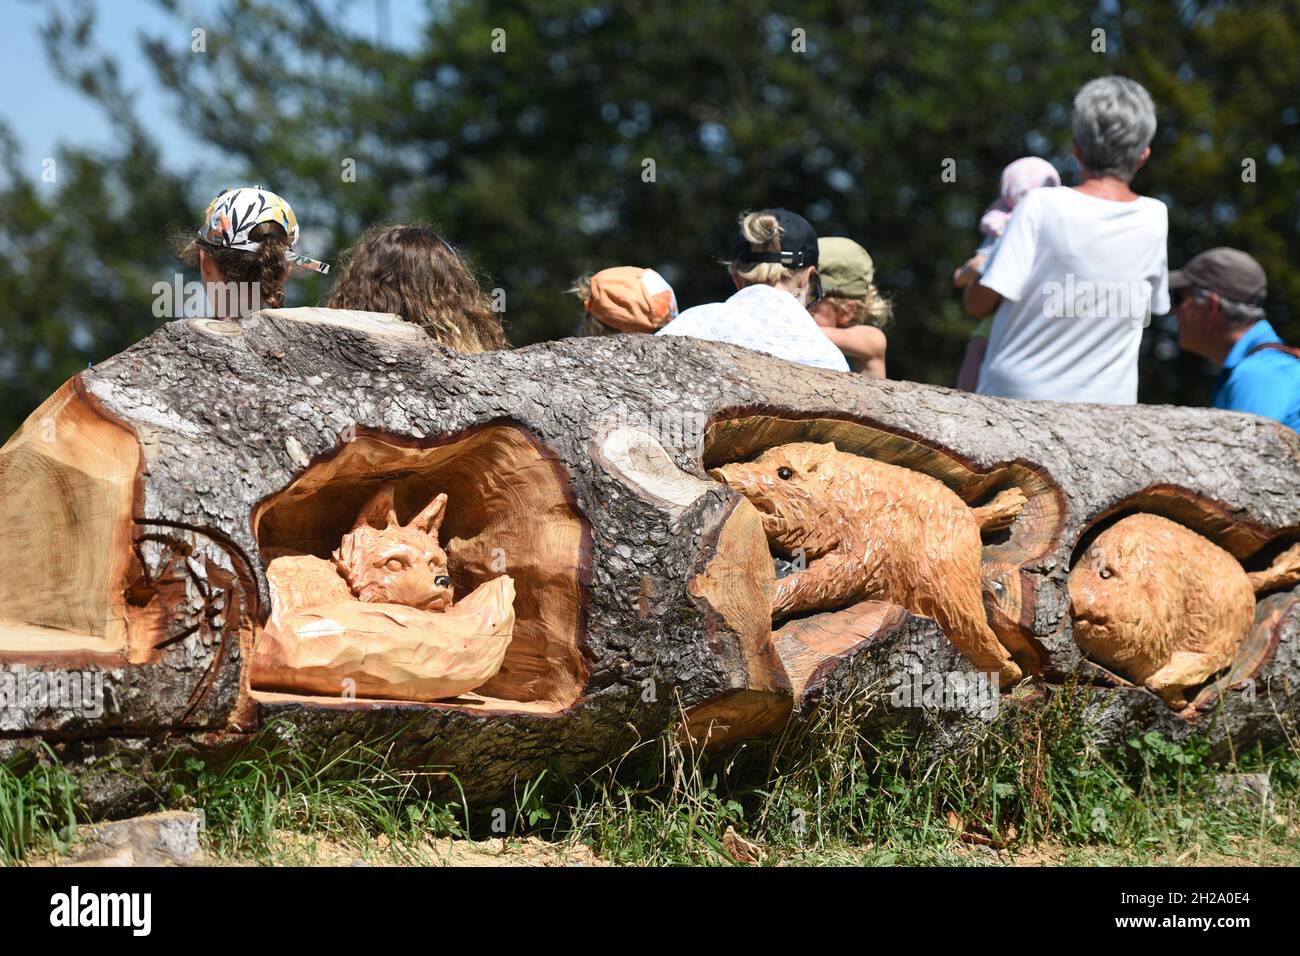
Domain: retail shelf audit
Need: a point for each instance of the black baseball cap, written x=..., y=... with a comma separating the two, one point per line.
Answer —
x=798, y=242
x=1231, y=273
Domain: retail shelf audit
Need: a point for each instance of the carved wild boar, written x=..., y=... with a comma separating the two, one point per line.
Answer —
x=871, y=530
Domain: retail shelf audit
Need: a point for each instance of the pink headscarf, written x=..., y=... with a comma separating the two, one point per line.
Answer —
x=1017, y=179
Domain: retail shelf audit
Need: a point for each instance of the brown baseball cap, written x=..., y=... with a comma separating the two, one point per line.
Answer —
x=1231, y=273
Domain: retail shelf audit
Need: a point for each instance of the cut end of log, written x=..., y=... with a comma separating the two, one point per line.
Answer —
x=68, y=479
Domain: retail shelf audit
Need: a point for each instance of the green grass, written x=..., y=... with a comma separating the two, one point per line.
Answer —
x=38, y=802
x=1029, y=783
x=346, y=796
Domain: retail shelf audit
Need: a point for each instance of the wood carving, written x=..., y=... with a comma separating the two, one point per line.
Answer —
x=154, y=518
x=378, y=619
x=1164, y=606
x=874, y=531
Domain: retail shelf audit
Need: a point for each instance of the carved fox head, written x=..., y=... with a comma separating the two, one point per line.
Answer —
x=388, y=562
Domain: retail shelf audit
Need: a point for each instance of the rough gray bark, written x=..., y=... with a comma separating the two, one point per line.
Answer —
x=227, y=416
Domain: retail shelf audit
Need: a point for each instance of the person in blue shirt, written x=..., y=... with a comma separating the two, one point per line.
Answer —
x=1218, y=299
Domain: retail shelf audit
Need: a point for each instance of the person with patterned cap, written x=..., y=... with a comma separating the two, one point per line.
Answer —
x=774, y=266
x=244, y=250
x=851, y=310
x=624, y=299
x=1219, y=303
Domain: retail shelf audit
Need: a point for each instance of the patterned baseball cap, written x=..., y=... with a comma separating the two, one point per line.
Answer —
x=231, y=217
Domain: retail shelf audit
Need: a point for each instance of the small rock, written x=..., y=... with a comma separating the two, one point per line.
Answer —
x=157, y=839
x=1253, y=789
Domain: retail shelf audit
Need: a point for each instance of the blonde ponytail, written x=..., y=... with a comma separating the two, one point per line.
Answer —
x=762, y=231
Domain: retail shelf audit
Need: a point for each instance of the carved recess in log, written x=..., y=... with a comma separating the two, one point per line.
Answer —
x=1160, y=595
x=880, y=516
x=71, y=473
x=378, y=619
x=514, y=545
x=153, y=616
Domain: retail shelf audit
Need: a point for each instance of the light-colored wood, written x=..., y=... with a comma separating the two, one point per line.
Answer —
x=1160, y=604
x=1284, y=572
x=67, y=480
x=870, y=530
x=388, y=651
x=509, y=515
x=228, y=420
x=378, y=619
x=809, y=645
x=640, y=461
x=1036, y=526
x=736, y=586
x=1000, y=513
x=374, y=324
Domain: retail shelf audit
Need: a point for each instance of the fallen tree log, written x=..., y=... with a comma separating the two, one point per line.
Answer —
x=144, y=501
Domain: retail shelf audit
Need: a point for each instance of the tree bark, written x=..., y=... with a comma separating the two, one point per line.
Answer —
x=143, y=502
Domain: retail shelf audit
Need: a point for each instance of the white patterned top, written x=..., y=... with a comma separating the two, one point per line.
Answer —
x=765, y=319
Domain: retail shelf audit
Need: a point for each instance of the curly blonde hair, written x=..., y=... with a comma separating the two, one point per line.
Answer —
x=411, y=270
x=873, y=309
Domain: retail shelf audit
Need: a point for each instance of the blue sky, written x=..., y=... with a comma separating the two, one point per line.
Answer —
x=43, y=112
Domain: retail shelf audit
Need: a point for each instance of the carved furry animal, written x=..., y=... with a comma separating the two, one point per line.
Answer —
x=380, y=560
x=380, y=615
x=1165, y=607
x=874, y=530
x=385, y=561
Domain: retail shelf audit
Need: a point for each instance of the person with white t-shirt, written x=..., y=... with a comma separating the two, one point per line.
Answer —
x=774, y=266
x=1080, y=271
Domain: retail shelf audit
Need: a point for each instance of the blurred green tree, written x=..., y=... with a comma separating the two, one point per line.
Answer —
x=560, y=136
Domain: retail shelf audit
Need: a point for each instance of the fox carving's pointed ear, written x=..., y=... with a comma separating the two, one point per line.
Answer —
x=378, y=511
x=430, y=519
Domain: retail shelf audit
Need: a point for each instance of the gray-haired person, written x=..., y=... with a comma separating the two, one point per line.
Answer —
x=1080, y=271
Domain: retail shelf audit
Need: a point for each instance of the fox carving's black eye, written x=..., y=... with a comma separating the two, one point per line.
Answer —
x=784, y=473
x=442, y=580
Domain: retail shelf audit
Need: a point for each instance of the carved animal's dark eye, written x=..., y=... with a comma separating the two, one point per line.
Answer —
x=784, y=473
x=442, y=580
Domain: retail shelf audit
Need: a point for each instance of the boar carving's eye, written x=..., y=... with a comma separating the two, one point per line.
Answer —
x=784, y=473
x=394, y=564
x=1103, y=573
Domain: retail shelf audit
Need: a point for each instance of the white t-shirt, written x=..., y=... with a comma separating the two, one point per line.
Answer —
x=1080, y=277
x=765, y=319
